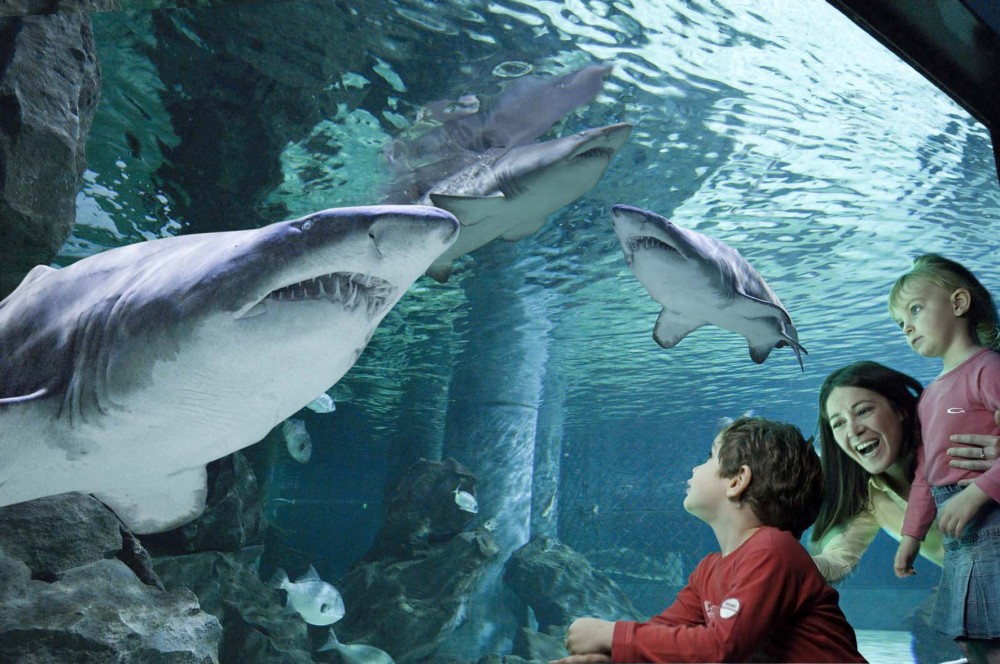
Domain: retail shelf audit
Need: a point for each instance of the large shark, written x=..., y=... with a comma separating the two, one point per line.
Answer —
x=122, y=375
x=701, y=281
x=509, y=193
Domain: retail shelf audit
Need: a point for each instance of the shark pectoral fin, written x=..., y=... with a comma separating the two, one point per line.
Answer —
x=439, y=272
x=471, y=210
x=524, y=229
x=671, y=328
x=153, y=506
x=759, y=353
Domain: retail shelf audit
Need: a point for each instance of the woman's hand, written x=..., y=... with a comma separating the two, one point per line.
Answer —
x=980, y=456
x=582, y=659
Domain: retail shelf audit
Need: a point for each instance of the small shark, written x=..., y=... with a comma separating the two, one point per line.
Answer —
x=510, y=193
x=123, y=374
x=455, y=133
x=701, y=281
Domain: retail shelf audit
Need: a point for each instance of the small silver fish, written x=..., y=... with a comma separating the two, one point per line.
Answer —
x=465, y=500
x=315, y=600
x=355, y=653
x=322, y=404
x=297, y=440
x=490, y=524
x=725, y=420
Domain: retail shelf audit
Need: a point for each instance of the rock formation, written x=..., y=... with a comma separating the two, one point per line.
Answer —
x=49, y=88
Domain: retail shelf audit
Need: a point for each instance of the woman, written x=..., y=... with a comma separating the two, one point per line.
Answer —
x=868, y=438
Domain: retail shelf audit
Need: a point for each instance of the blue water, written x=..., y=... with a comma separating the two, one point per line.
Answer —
x=779, y=128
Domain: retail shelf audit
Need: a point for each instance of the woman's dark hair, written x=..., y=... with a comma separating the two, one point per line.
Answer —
x=846, y=481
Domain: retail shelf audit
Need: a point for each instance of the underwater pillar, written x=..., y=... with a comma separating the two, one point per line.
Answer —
x=548, y=455
x=491, y=429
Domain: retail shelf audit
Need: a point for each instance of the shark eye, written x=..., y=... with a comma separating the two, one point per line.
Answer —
x=306, y=225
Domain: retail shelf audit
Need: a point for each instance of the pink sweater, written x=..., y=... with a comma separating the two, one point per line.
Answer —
x=961, y=401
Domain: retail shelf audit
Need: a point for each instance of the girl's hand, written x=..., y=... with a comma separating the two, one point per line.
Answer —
x=981, y=456
x=582, y=659
x=907, y=552
x=960, y=509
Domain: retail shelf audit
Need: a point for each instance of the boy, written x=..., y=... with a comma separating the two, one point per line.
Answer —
x=761, y=598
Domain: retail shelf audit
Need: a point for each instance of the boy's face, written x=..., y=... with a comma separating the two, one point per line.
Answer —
x=706, y=490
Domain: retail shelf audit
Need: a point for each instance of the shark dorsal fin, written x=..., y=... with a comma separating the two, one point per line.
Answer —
x=310, y=575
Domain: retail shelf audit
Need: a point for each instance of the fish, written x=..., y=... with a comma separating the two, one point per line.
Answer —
x=701, y=281
x=510, y=193
x=297, y=439
x=725, y=420
x=123, y=374
x=322, y=404
x=355, y=653
x=465, y=500
x=318, y=602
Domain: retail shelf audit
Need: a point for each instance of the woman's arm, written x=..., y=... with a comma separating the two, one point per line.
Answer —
x=840, y=551
x=981, y=456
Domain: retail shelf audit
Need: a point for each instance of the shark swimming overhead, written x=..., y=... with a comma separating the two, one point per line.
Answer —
x=124, y=374
x=509, y=193
x=701, y=281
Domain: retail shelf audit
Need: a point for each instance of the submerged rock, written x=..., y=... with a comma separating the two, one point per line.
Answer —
x=233, y=516
x=57, y=533
x=412, y=590
x=76, y=586
x=424, y=510
x=227, y=585
x=49, y=88
x=100, y=612
x=560, y=585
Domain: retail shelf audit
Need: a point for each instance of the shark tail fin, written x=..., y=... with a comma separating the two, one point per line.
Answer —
x=331, y=642
x=279, y=579
x=797, y=347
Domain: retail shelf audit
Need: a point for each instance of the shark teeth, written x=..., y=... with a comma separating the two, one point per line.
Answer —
x=646, y=242
x=597, y=153
x=349, y=289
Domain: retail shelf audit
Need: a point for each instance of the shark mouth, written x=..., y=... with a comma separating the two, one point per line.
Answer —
x=638, y=243
x=350, y=290
x=597, y=153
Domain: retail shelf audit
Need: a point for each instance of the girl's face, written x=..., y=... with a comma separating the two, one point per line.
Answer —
x=928, y=316
x=866, y=427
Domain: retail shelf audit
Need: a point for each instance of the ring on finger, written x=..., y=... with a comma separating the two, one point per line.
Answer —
x=982, y=451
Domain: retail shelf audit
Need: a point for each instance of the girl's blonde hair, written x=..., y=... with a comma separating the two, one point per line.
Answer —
x=949, y=275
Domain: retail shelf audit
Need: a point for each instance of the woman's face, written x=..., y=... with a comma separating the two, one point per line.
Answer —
x=865, y=427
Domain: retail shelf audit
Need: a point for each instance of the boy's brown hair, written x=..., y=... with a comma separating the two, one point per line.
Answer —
x=786, y=482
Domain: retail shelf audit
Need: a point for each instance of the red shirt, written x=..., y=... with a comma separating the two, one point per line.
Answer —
x=765, y=601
